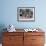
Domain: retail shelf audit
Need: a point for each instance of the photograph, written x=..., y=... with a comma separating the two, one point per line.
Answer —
x=26, y=13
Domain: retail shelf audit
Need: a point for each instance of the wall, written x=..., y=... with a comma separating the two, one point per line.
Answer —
x=9, y=13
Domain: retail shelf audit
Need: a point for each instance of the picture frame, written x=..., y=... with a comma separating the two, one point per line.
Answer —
x=26, y=14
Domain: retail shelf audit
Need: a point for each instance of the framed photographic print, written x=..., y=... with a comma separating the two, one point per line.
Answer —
x=26, y=14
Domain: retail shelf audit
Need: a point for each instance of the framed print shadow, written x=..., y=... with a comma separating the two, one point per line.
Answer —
x=26, y=14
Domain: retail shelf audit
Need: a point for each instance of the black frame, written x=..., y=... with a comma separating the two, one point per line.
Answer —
x=30, y=8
